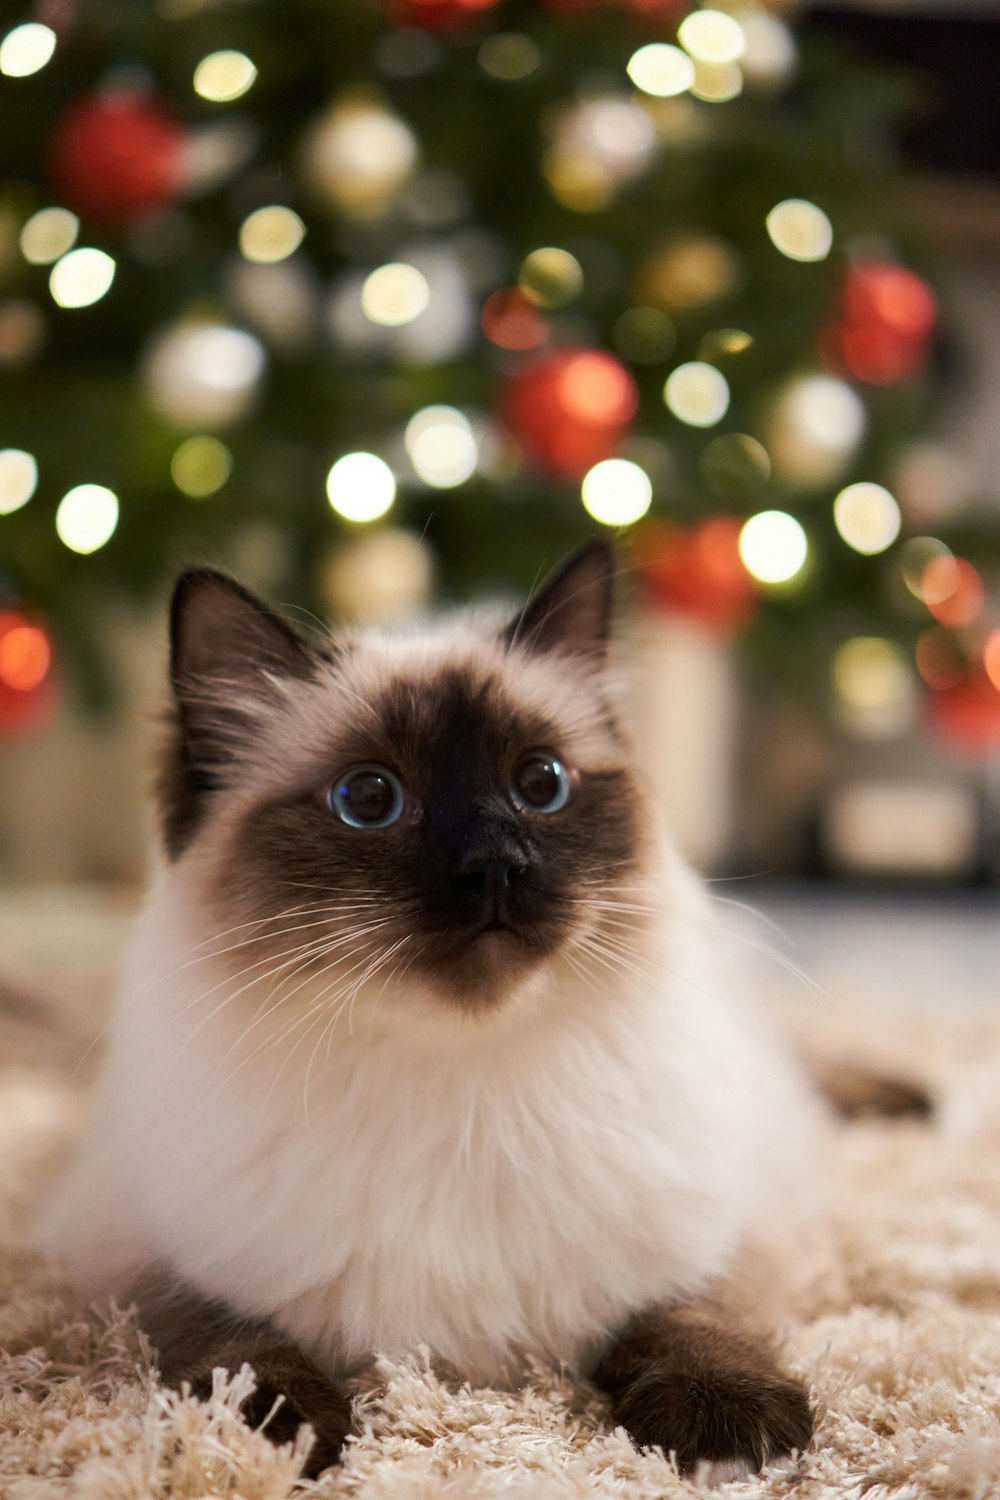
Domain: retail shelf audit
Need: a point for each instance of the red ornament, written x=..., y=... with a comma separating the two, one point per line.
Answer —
x=883, y=330
x=438, y=15
x=25, y=673
x=697, y=572
x=569, y=410
x=967, y=717
x=115, y=157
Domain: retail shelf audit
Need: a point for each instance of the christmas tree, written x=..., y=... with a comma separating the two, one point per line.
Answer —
x=350, y=294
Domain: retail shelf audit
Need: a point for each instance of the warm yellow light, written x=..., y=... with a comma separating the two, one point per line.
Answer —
x=697, y=394
x=773, y=546
x=800, y=230
x=509, y=56
x=48, y=235
x=358, y=155
x=915, y=555
x=223, y=76
x=816, y=424
x=551, y=277
x=867, y=517
x=395, y=294
x=86, y=517
x=26, y=49
x=616, y=492
x=769, y=56
x=441, y=446
x=271, y=234
x=18, y=479
x=872, y=673
x=360, y=487
x=717, y=83
x=710, y=36
x=81, y=278
x=661, y=70
x=200, y=466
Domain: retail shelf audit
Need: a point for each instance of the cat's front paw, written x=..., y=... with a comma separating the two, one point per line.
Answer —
x=723, y=1419
x=304, y=1399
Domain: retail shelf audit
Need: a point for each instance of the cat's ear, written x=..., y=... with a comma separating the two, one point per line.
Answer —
x=228, y=654
x=571, y=612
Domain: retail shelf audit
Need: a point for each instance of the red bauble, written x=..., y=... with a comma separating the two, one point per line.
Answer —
x=438, y=15
x=115, y=157
x=697, y=572
x=26, y=686
x=569, y=410
x=883, y=329
x=967, y=717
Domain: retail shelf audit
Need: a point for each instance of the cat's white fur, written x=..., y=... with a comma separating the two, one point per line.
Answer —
x=489, y=1185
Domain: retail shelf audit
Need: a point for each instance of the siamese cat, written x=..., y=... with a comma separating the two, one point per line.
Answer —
x=422, y=1040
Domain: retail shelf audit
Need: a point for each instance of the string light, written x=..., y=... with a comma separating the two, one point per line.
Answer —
x=271, y=234
x=224, y=76
x=867, y=517
x=18, y=479
x=360, y=487
x=616, y=492
x=800, y=230
x=661, y=70
x=200, y=466
x=717, y=83
x=441, y=446
x=551, y=277
x=87, y=517
x=26, y=49
x=697, y=394
x=710, y=36
x=395, y=294
x=25, y=654
x=81, y=278
x=48, y=235
x=509, y=56
x=773, y=546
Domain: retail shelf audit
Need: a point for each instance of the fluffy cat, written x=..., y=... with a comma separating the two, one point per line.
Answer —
x=421, y=1038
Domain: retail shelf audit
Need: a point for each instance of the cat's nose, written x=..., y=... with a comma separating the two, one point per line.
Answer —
x=491, y=869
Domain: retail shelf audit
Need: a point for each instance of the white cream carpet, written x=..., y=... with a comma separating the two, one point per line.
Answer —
x=897, y=1332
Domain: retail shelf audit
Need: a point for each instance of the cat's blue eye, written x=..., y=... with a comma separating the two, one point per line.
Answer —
x=367, y=797
x=540, y=784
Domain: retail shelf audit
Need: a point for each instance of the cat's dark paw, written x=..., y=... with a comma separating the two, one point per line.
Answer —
x=311, y=1400
x=726, y=1418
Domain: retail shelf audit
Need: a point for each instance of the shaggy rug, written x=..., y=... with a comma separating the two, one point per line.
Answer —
x=896, y=1330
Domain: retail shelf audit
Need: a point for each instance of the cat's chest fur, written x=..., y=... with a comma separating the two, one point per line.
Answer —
x=519, y=1189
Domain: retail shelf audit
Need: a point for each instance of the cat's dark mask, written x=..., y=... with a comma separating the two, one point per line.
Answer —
x=456, y=795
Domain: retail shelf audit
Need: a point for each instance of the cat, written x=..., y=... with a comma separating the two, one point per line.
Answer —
x=422, y=1042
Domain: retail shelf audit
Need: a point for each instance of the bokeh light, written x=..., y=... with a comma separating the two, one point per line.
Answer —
x=915, y=554
x=81, y=278
x=25, y=654
x=952, y=590
x=223, y=76
x=594, y=387
x=551, y=277
x=616, y=492
x=509, y=56
x=361, y=487
x=271, y=234
x=939, y=660
x=200, y=466
x=18, y=479
x=441, y=446
x=717, y=83
x=735, y=467
x=875, y=686
x=645, y=335
x=511, y=321
x=697, y=394
x=26, y=49
x=203, y=374
x=867, y=517
x=395, y=294
x=773, y=546
x=48, y=234
x=661, y=70
x=769, y=54
x=815, y=426
x=358, y=154
x=87, y=517
x=991, y=658
x=711, y=36
x=800, y=230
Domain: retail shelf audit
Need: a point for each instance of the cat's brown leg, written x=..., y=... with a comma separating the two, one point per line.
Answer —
x=857, y=1093
x=194, y=1336
x=687, y=1381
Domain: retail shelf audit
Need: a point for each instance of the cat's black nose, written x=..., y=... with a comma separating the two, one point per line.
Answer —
x=492, y=870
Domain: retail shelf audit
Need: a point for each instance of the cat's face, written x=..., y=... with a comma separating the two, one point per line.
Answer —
x=454, y=805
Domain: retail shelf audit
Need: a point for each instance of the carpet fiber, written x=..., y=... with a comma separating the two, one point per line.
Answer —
x=897, y=1331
